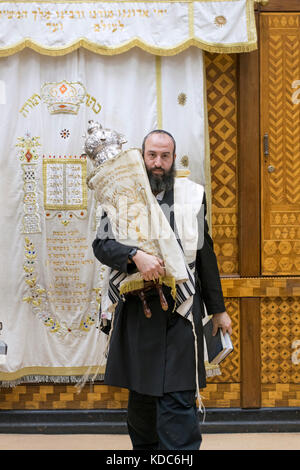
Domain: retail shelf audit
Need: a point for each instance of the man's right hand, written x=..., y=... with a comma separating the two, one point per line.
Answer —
x=150, y=266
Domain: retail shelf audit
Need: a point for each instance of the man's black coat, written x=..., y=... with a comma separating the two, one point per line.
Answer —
x=157, y=355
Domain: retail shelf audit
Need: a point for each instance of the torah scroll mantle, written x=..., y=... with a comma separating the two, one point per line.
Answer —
x=122, y=188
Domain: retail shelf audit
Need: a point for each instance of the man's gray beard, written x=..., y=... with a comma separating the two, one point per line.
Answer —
x=163, y=182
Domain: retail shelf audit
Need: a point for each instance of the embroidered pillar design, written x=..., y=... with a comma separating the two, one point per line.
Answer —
x=27, y=153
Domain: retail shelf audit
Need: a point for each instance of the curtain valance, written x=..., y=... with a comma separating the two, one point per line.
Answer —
x=111, y=27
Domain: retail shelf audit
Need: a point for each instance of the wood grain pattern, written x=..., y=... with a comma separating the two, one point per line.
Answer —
x=280, y=119
x=280, y=395
x=249, y=166
x=221, y=70
x=280, y=340
x=59, y=396
x=280, y=5
x=261, y=287
x=250, y=354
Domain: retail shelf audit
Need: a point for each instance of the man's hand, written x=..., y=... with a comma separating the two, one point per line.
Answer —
x=151, y=267
x=221, y=320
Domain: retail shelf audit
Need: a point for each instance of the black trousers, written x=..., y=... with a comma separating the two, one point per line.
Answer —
x=169, y=422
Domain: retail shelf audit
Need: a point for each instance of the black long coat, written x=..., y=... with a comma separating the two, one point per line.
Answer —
x=157, y=355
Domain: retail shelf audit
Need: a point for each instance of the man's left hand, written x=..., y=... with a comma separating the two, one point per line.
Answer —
x=221, y=320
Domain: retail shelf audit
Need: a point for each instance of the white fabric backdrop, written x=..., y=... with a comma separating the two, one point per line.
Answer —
x=48, y=271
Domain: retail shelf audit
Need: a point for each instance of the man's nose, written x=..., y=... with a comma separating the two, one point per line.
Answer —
x=158, y=161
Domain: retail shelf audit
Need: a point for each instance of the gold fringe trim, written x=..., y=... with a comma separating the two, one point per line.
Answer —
x=103, y=50
x=49, y=372
x=212, y=369
x=46, y=379
x=137, y=284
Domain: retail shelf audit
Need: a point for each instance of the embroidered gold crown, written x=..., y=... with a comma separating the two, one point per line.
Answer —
x=63, y=97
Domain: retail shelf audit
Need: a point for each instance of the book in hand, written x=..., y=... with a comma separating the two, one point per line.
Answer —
x=219, y=346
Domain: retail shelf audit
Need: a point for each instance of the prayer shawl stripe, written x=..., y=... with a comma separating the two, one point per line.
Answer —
x=184, y=291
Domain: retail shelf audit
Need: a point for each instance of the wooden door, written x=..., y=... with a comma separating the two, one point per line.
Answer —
x=280, y=143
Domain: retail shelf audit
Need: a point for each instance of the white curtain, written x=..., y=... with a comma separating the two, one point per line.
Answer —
x=50, y=280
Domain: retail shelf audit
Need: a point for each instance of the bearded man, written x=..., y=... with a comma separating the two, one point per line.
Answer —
x=158, y=359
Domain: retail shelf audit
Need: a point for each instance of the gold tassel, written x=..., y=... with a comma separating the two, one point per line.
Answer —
x=212, y=369
x=137, y=284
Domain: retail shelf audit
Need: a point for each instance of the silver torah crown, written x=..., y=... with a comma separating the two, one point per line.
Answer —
x=102, y=144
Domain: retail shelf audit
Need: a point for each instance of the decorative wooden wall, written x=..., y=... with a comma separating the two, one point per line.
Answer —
x=221, y=74
x=222, y=117
x=280, y=207
x=280, y=120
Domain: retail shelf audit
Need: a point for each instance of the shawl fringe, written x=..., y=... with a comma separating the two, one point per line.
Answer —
x=35, y=379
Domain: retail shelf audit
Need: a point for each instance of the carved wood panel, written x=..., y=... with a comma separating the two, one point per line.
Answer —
x=280, y=340
x=280, y=120
x=222, y=121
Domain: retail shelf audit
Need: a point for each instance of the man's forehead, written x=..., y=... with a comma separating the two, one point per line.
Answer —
x=159, y=140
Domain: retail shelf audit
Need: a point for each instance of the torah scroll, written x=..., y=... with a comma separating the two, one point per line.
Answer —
x=122, y=188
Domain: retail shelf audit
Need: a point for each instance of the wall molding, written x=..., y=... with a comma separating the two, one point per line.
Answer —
x=230, y=420
x=261, y=286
